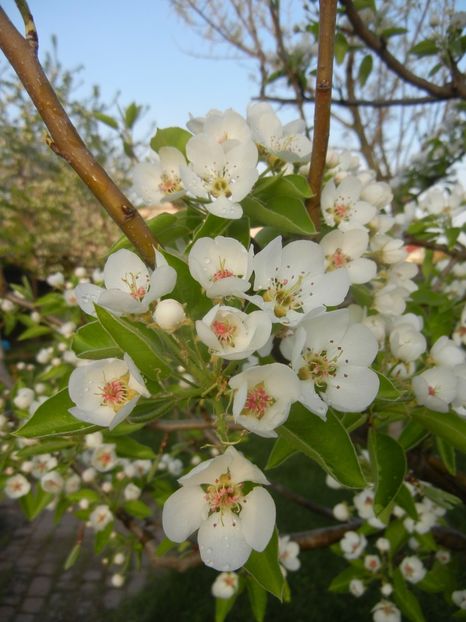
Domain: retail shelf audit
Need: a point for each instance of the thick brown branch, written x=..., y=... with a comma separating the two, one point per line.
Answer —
x=67, y=142
x=377, y=45
x=322, y=105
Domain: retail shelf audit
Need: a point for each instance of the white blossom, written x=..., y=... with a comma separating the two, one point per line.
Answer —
x=412, y=569
x=231, y=524
x=445, y=352
x=131, y=492
x=227, y=128
x=56, y=280
x=100, y=517
x=225, y=585
x=232, y=334
x=372, y=563
x=104, y=458
x=344, y=249
x=288, y=551
x=353, y=544
x=342, y=205
x=459, y=598
x=435, y=388
x=406, y=343
x=331, y=357
x=221, y=265
x=52, y=482
x=341, y=511
x=130, y=286
x=106, y=391
x=291, y=281
x=17, y=486
x=263, y=396
x=24, y=398
x=169, y=314
x=387, y=249
x=159, y=181
x=356, y=587
x=385, y=611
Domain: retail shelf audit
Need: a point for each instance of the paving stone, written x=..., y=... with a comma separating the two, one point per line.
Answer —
x=32, y=605
x=6, y=613
x=40, y=586
x=24, y=617
x=93, y=575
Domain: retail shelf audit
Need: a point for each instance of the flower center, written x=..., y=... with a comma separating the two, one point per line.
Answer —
x=222, y=272
x=224, y=331
x=169, y=184
x=220, y=187
x=318, y=368
x=340, y=212
x=285, y=298
x=337, y=260
x=432, y=391
x=116, y=393
x=223, y=494
x=136, y=291
x=258, y=401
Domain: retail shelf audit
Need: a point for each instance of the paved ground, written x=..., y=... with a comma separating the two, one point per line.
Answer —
x=33, y=585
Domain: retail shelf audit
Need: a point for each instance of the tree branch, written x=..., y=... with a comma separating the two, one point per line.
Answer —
x=66, y=142
x=433, y=246
x=31, y=32
x=323, y=100
x=361, y=103
x=378, y=45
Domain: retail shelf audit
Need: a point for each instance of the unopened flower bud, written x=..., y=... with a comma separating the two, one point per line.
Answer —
x=169, y=314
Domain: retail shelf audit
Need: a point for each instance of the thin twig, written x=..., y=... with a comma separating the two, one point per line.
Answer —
x=66, y=142
x=29, y=25
x=323, y=97
x=442, y=248
x=302, y=501
x=364, y=103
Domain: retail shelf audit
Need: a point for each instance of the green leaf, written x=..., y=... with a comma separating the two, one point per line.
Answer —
x=287, y=214
x=405, y=599
x=265, y=568
x=397, y=535
x=428, y=47
x=326, y=442
x=211, y=227
x=223, y=607
x=257, y=599
x=35, y=502
x=388, y=463
x=127, y=447
x=60, y=371
x=107, y=119
x=387, y=390
x=165, y=227
x=405, y=500
x=441, y=497
x=449, y=426
x=138, y=341
x=44, y=448
x=281, y=451
x=365, y=69
x=131, y=114
x=393, y=32
x=440, y=578
x=188, y=289
x=447, y=454
x=72, y=557
x=34, y=331
x=92, y=341
x=412, y=434
x=137, y=508
x=52, y=418
x=341, y=582
x=171, y=137
x=102, y=537
x=341, y=47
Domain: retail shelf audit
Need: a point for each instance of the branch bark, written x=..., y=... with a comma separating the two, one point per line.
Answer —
x=323, y=100
x=457, y=88
x=66, y=142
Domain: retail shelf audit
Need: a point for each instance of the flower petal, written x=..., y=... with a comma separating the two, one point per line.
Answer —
x=258, y=518
x=184, y=512
x=221, y=542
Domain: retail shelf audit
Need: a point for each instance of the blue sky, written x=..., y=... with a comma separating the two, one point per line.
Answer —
x=142, y=49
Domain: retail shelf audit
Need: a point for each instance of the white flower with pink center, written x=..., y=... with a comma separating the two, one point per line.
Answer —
x=232, y=334
x=231, y=521
x=100, y=517
x=106, y=391
x=342, y=206
x=130, y=286
x=263, y=397
x=386, y=611
x=104, y=458
x=412, y=569
x=344, y=249
x=353, y=544
x=372, y=563
x=52, y=482
x=223, y=266
x=225, y=585
x=221, y=178
x=17, y=486
x=227, y=128
x=285, y=142
x=435, y=388
x=288, y=552
x=160, y=181
x=331, y=356
x=292, y=281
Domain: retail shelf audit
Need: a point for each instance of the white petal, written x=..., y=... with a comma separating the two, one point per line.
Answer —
x=162, y=282
x=120, y=302
x=193, y=183
x=95, y=417
x=208, y=471
x=221, y=542
x=265, y=263
x=119, y=265
x=87, y=294
x=354, y=392
x=123, y=413
x=224, y=208
x=311, y=400
x=183, y=513
x=359, y=346
x=258, y=518
x=243, y=470
x=361, y=270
